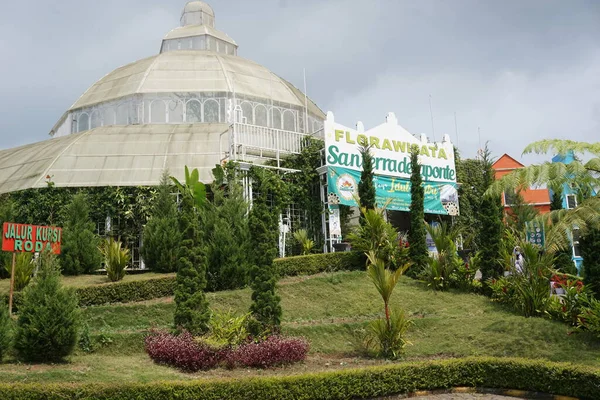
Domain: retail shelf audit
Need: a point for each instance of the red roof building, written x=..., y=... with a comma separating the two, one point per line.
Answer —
x=539, y=198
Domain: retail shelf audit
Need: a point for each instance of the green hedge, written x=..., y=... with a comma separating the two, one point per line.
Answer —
x=537, y=376
x=126, y=292
x=316, y=263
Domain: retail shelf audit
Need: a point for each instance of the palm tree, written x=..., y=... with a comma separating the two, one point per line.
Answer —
x=582, y=175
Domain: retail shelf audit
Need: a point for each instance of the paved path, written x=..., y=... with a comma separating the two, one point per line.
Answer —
x=465, y=396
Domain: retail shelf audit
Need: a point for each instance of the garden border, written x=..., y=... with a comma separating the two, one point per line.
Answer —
x=373, y=382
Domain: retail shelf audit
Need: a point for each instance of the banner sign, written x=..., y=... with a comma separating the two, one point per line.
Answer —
x=440, y=198
x=20, y=238
x=391, y=145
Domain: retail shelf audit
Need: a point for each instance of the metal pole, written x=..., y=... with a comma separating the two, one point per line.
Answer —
x=12, y=284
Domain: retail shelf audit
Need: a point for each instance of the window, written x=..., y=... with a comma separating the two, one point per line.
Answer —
x=211, y=111
x=289, y=121
x=576, y=237
x=571, y=201
x=95, y=120
x=260, y=115
x=247, y=112
x=158, y=112
x=510, y=198
x=175, y=111
x=193, y=111
x=276, y=118
x=84, y=123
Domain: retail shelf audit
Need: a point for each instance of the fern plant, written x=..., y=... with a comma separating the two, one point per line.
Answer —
x=306, y=244
x=116, y=259
x=24, y=267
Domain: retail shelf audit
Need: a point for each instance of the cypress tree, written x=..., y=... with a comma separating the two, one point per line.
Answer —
x=48, y=316
x=490, y=214
x=589, y=246
x=263, y=223
x=191, y=307
x=161, y=234
x=79, y=253
x=557, y=201
x=366, y=188
x=417, y=236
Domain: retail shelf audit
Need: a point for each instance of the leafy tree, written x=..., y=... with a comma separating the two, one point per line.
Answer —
x=490, y=214
x=191, y=307
x=161, y=233
x=417, y=236
x=470, y=193
x=366, y=188
x=226, y=232
x=269, y=190
x=583, y=176
x=589, y=245
x=520, y=214
x=80, y=253
x=48, y=316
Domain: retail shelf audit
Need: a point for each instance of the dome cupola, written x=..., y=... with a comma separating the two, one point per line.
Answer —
x=198, y=32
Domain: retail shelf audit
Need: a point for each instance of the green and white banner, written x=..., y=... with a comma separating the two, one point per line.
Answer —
x=440, y=198
x=390, y=146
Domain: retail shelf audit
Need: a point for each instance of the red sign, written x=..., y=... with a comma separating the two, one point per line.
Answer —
x=18, y=238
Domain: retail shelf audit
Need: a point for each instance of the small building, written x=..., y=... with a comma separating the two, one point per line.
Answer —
x=539, y=198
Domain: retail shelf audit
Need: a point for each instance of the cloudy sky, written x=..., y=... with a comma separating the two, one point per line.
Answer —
x=520, y=70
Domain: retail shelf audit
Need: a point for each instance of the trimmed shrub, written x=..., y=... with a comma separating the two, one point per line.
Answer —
x=273, y=351
x=373, y=382
x=181, y=351
x=317, y=263
x=126, y=292
x=48, y=317
x=5, y=330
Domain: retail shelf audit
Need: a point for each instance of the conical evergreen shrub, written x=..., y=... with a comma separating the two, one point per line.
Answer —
x=80, y=253
x=6, y=325
x=48, y=316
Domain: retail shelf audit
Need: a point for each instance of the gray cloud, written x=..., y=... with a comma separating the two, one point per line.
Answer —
x=519, y=70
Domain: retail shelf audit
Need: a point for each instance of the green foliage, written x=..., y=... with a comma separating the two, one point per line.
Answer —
x=79, y=253
x=472, y=181
x=373, y=382
x=388, y=338
x=490, y=215
x=305, y=243
x=225, y=232
x=191, y=310
x=86, y=344
x=589, y=245
x=417, y=236
x=126, y=292
x=48, y=316
x=161, y=236
x=379, y=236
x=316, y=263
x=519, y=215
x=563, y=262
x=366, y=187
x=192, y=187
x=443, y=265
x=6, y=330
x=227, y=329
x=7, y=214
x=557, y=199
x=116, y=259
x=263, y=222
x=24, y=268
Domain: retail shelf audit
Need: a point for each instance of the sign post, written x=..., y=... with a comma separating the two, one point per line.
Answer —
x=19, y=238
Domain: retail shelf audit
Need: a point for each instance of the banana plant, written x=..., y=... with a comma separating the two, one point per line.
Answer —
x=192, y=187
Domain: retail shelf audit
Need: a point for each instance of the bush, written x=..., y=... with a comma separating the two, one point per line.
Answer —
x=317, y=263
x=126, y=292
x=24, y=267
x=273, y=351
x=5, y=330
x=227, y=329
x=181, y=351
x=373, y=382
x=80, y=252
x=115, y=259
x=48, y=316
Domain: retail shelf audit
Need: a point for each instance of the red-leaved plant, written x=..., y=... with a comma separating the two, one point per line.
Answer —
x=181, y=351
x=188, y=354
x=273, y=351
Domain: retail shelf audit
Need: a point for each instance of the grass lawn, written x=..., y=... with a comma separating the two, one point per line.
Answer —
x=92, y=280
x=330, y=310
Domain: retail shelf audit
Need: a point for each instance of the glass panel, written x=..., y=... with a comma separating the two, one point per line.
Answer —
x=108, y=116
x=123, y=114
x=83, y=123
x=289, y=121
x=260, y=115
x=276, y=118
x=96, y=121
x=211, y=111
x=175, y=111
x=571, y=201
x=510, y=198
x=576, y=251
x=210, y=43
x=247, y=112
x=193, y=111
x=158, y=112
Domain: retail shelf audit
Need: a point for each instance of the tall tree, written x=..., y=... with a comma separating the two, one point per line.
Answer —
x=557, y=199
x=417, y=236
x=161, y=234
x=589, y=246
x=80, y=253
x=470, y=192
x=191, y=307
x=491, y=215
x=263, y=221
x=366, y=188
